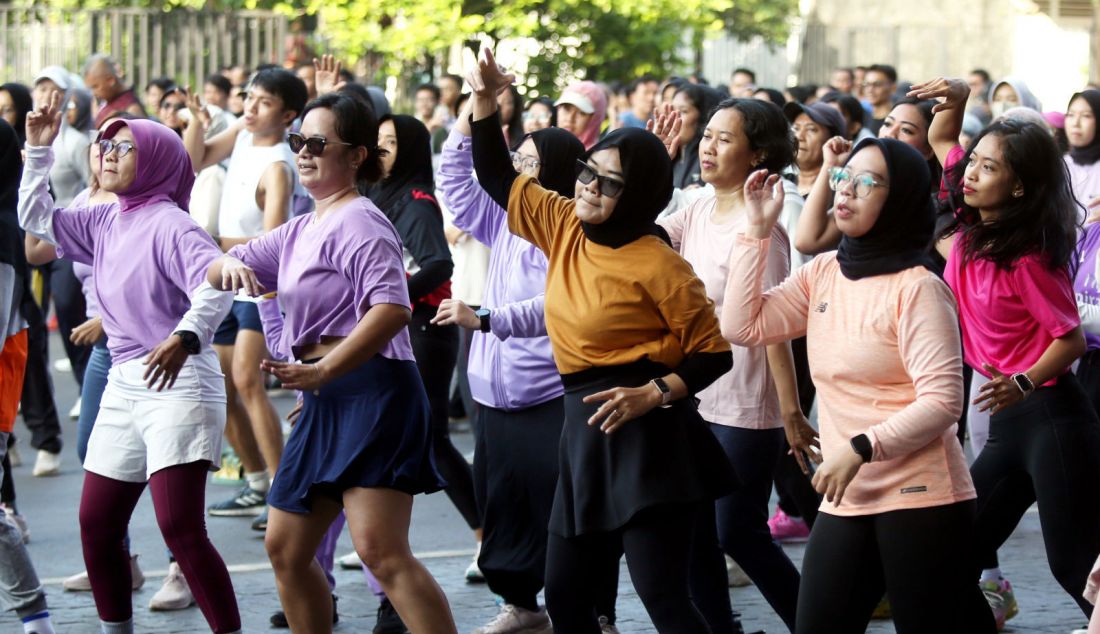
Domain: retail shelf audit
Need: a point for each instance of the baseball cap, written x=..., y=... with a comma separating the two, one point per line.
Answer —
x=820, y=113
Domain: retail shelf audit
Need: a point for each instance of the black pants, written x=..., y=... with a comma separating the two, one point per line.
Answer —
x=657, y=544
x=71, y=311
x=1044, y=449
x=436, y=349
x=39, y=409
x=923, y=558
x=515, y=474
x=1088, y=375
x=743, y=516
x=7, y=485
x=460, y=385
x=709, y=581
x=797, y=496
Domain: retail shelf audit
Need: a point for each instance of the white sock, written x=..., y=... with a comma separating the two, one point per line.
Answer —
x=991, y=574
x=258, y=480
x=125, y=627
x=38, y=624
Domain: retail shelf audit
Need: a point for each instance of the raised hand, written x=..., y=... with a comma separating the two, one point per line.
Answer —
x=44, y=123
x=763, y=203
x=196, y=108
x=952, y=93
x=489, y=78
x=666, y=124
x=327, y=74
x=835, y=153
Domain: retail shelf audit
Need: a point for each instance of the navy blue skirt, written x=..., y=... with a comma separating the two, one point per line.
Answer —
x=369, y=428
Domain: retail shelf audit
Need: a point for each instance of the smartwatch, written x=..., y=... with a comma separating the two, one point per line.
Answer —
x=483, y=315
x=1023, y=381
x=189, y=340
x=861, y=444
x=664, y=389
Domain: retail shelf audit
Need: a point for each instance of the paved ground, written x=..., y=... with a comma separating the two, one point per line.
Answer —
x=438, y=537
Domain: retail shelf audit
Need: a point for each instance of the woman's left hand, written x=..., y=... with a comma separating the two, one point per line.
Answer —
x=622, y=404
x=999, y=393
x=327, y=75
x=666, y=124
x=835, y=474
x=306, y=377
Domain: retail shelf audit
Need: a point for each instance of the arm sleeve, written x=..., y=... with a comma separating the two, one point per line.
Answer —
x=928, y=341
x=377, y=274
x=72, y=231
x=475, y=211
x=537, y=215
x=1048, y=295
x=690, y=316
x=261, y=254
x=491, y=159
x=188, y=261
x=751, y=317
x=271, y=316
x=675, y=224
x=421, y=229
x=521, y=319
x=209, y=306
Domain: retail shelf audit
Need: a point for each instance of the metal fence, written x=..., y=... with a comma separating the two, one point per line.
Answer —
x=147, y=43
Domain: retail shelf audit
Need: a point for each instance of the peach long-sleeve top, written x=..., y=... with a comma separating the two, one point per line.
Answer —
x=886, y=359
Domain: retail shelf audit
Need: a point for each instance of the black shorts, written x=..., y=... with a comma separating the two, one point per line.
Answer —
x=243, y=316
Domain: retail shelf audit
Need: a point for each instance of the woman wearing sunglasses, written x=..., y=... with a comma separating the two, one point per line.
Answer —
x=882, y=333
x=162, y=414
x=633, y=336
x=362, y=442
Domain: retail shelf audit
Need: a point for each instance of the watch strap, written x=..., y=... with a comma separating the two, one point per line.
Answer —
x=861, y=444
x=664, y=389
x=484, y=314
x=189, y=341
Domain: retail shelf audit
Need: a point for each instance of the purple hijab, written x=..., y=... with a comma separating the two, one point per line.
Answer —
x=164, y=172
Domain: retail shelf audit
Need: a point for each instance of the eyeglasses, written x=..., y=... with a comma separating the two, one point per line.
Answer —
x=524, y=163
x=543, y=117
x=610, y=187
x=873, y=84
x=106, y=146
x=315, y=144
x=862, y=184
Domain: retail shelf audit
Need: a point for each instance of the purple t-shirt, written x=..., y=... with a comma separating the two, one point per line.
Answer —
x=145, y=263
x=329, y=272
x=1084, y=285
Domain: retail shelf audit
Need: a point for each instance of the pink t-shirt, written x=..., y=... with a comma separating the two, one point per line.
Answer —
x=745, y=396
x=1010, y=318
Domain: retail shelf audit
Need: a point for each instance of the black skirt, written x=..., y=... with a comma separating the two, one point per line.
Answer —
x=667, y=456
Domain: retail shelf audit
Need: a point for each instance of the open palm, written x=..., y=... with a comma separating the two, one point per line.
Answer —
x=763, y=202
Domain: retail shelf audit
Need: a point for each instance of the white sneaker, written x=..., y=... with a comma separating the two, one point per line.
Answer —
x=175, y=594
x=351, y=561
x=473, y=573
x=18, y=522
x=47, y=464
x=74, y=413
x=737, y=576
x=14, y=458
x=606, y=627
x=62, y=365
x=514, y=620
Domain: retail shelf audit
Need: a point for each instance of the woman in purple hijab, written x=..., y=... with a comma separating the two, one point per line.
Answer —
x=161, y=418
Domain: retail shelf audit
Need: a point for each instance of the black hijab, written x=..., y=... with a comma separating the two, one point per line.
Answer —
x=1090, y=153
x=413, y=168
x=559, y=152
x=647, y=170
x=21, y=97
x=900, y=237
x=11, y=171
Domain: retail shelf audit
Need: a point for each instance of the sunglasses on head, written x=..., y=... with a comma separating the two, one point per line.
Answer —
x=315, y=144
x=610, y=187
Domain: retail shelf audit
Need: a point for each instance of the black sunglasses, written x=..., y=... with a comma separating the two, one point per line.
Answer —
x=316, y=144
x=610, y=187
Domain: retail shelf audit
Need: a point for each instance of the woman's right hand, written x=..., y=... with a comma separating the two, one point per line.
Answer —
x=88, y=332
x=954, y=93
x=835, y=153
x=666, y=124
x=763, y=203
x=327, y=75
x=804, y=440
x=44, y=124
x=237, y=275
x=488, y=78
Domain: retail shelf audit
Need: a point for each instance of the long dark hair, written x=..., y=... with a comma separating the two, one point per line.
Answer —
x=1043, y=221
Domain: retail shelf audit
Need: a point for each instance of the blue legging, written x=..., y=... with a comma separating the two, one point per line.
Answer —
x=91, y=393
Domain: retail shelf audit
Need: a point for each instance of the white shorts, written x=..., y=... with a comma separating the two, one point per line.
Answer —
x=133, y=438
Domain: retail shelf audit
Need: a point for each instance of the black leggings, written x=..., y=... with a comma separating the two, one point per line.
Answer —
x=797, y=496
x=1045, y=449
x=923, y=558
x=657, y=543
x=436, y=351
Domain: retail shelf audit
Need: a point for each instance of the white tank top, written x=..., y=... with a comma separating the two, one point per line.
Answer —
x=239, y=216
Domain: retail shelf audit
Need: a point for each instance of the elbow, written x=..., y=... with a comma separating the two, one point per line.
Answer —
x=738, y=334
x=214, y=275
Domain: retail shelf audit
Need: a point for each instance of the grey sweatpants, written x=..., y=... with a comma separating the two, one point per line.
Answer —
x=19, y=587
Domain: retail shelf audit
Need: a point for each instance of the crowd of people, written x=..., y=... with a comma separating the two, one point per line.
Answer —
x=639, y=294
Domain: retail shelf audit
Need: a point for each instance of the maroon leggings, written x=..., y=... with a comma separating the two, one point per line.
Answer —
x=179, y=495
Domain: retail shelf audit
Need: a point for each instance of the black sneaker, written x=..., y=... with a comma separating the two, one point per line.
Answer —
x=388, y=620
x=247, y=503
x=279, y=622
x=260, y=523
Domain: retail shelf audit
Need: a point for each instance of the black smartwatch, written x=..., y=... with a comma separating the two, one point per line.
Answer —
x=189, y=340
x=664, y=389
x=1024, y=382
x=483, y=315
x=861, y=444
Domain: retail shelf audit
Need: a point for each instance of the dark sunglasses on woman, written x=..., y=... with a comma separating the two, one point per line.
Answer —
x=316, y=144
x=610, y=187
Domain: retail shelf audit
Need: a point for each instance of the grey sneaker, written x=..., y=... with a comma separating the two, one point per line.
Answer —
x=175, y=594
x=247, y=503
x=513, y=619
x=607, y=627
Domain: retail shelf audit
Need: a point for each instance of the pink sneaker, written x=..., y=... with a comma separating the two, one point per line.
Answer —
x=786, y=529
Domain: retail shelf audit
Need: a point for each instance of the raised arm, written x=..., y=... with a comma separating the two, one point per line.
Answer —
x=491, y=159
x=35, y=207
x=205, y=153
x=943, y=134
x=817, y=231
x=475, y=212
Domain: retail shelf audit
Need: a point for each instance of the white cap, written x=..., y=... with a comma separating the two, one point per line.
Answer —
x=572, y=97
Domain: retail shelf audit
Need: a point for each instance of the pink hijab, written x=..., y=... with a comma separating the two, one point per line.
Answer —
x=598, y=97
x=164, y=172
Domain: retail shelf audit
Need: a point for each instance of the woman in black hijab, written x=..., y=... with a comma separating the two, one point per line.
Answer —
x=406, y=194
x=15, y=103
x=879, y=322
x=633, y=336
x=1083, y=160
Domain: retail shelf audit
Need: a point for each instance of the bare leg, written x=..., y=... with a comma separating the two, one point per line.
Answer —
x=237, y=429
x=291, y=541
x=378, y=520
x=247, y=378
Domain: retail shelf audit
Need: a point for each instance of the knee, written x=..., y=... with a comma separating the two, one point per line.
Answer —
x=285, y=553
x=383, y=559
x=181, y=534
x=247, y=380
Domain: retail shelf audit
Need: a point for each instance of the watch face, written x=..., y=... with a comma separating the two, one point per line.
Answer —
x=1024, y=382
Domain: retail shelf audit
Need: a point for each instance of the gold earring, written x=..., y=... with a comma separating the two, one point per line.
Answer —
x=1017, y=194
